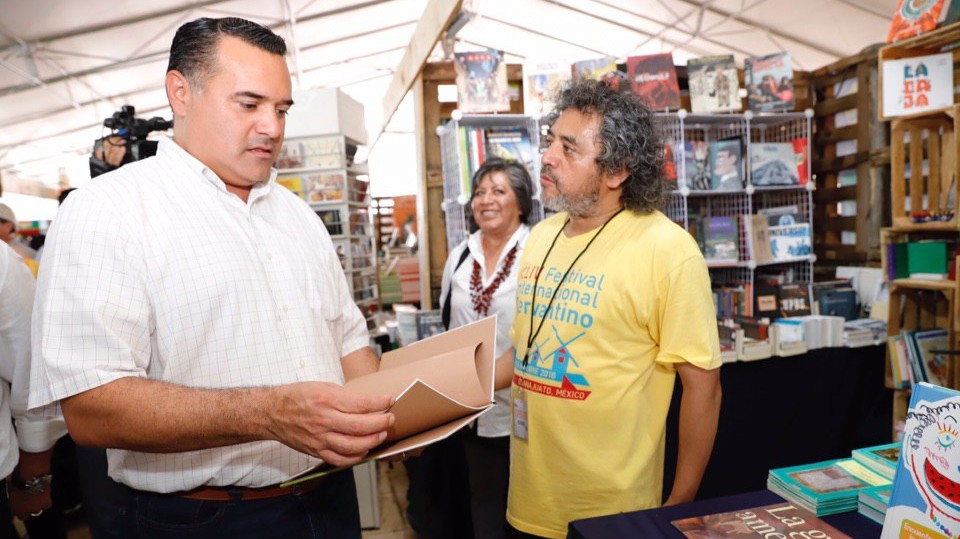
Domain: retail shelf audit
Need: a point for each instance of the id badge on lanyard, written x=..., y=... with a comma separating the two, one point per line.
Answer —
x=520, y=425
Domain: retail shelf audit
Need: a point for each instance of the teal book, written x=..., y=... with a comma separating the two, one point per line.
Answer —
x=925, y=501
x=873, y=503
x=879, y=458
x=824, y=488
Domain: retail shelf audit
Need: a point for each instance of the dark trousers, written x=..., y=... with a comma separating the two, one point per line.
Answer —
x=488, y=464
x=439, y=493
x=327, y=512
x=49, y=525
x=103, y=498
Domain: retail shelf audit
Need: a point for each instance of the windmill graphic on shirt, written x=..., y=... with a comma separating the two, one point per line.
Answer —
x=555, y=366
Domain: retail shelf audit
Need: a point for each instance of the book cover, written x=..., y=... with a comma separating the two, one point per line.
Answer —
x=825, y=482
x=918, y=84
x=726, y=167
x=767, y=300
x=696, y=165
x=838, y=302
x=790, y=242
x=773, y=164
x=481, y=79
x=800, y=153
x=769, y=82
x=882, y=459
x=928, y=347
x=914, y=17
x=541, y=81
x=714, y=86
x=794, y=299
x=778, y=520
x=925, y=501
x=669, y=164
x=654, y=79
x=721, y=239
x=760, y=239
x=595, y=68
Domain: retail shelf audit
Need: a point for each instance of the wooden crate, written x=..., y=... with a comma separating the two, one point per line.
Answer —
x=836, y=89
x=930, y=139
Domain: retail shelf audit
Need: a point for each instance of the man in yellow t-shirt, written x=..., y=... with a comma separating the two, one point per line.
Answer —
x=613, y=302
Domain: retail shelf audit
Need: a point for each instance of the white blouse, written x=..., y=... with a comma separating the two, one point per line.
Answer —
x=496, y=422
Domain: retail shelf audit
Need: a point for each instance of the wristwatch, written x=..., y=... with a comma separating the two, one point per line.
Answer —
x=35, y=485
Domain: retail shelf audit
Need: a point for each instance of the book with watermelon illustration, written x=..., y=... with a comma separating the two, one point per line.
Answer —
x=925, y=501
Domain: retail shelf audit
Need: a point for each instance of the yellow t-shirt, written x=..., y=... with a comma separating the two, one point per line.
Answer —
x=600, y=376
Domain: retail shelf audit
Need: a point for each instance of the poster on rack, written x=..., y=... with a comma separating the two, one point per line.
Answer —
x=916, y=85
x=654, y=79
x=481, y=78
x=541, y=80
x=915, y=17
x=714, y=86
x=769, y=82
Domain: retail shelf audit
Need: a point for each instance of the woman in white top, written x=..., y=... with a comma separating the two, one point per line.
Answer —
x=480, y=280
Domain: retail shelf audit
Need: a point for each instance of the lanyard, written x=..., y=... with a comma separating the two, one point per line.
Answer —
x=533, y=303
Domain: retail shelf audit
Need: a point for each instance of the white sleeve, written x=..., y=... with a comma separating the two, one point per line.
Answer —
x=37, y=430
x=93, y=317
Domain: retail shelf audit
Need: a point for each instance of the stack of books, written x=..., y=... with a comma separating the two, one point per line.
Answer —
x=824, y=488
x=407, y=330
x=881, y=459
x=873, y=503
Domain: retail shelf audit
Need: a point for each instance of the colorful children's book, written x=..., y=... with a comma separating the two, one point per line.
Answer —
x=481, y=78
x=714, y=86
x=654, y=78
x=879, y=458
x=779, y=520
x=925, y=501
x=913, y=17
x=769, y=81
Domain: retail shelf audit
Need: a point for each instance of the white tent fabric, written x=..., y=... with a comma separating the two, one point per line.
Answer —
x=67, y=65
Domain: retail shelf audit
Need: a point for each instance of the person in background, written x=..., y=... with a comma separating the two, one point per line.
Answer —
x=193, y=317
x=480, y=280
x=8, y=225
x=26, y=437
x=613, y=303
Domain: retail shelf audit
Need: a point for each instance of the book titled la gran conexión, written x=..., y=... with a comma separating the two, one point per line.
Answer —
x=778, y=520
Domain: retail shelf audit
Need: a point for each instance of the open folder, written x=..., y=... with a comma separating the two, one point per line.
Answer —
x=441, y=384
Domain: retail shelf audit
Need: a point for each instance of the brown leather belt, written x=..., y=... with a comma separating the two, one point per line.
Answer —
x=225, y=494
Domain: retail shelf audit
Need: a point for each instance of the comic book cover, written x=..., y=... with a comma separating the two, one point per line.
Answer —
x=604, y=69
x=769, y=82
x=714, y=86
x=481, y=81
x=541, y=80
x=654, y=78
x=914, y=17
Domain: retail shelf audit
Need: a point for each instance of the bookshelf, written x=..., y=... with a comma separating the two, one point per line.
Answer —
x=321, y=170
x=687, y=205
x=465, y=142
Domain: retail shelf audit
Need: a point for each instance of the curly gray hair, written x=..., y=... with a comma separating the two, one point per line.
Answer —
x=627, y=137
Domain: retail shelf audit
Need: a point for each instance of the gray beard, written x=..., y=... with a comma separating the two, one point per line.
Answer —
x=578, y=206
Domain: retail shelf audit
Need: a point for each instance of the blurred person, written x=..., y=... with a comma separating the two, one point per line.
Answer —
x=613, y=303
x=479, y=280
x=193, y=318
x=26, y=437
x=8, y=225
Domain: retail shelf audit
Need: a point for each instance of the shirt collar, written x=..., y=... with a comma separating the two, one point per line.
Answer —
x=475, y=244
x=169, y=149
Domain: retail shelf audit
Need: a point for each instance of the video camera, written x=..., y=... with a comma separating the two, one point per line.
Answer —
x=127, y=141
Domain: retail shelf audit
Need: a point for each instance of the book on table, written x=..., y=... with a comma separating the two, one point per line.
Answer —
x=873, y=503
x=879, y=458
x=769, y=521
x=925, y=501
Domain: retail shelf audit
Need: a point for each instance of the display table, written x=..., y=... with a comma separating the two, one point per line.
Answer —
x=654, y=523
x=785, y=411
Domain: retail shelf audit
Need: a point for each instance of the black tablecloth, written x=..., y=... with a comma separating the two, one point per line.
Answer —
x=654, y=523
x=786, y=411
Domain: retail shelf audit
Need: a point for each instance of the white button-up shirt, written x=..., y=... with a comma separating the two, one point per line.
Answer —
x=35, y=433
x=496, y=422
x=157, y=271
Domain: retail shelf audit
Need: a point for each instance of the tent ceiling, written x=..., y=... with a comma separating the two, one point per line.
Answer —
x=65, y=66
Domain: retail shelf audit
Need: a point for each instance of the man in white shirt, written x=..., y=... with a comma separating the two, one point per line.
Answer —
x=25, y=450
x=192, y=316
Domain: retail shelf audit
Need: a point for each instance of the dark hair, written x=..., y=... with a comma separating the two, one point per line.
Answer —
x=194, y=48
x=64, y=194
x=519, y=180
x=627, y=137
